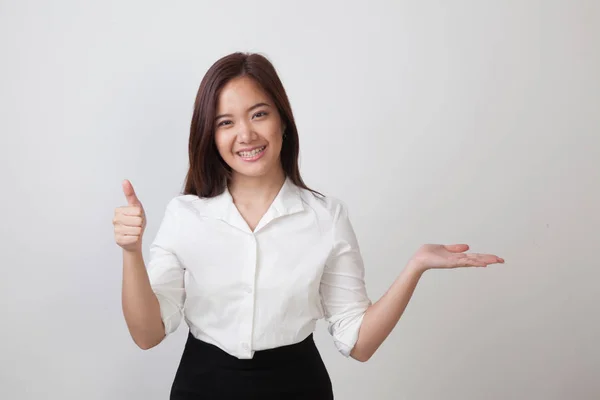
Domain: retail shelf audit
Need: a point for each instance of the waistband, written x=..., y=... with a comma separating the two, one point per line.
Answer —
x=306, y=349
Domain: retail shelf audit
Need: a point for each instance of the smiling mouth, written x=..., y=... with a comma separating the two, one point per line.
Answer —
x=249, y=155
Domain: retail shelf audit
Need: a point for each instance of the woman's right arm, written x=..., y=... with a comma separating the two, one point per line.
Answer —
x=141, y=307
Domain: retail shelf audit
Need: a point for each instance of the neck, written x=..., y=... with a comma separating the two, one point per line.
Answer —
x=247, y=190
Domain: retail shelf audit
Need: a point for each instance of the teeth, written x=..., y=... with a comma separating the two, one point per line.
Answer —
x=250, y=154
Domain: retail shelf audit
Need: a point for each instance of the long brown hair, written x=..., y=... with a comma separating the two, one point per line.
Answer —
x=208, y=172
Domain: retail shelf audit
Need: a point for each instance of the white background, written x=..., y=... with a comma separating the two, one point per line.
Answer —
x=435, y=121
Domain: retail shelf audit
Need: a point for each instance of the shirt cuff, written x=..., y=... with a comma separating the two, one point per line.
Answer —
x=345, y=337
x=170, y=314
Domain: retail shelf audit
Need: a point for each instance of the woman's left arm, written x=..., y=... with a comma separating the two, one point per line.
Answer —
x=381, y=317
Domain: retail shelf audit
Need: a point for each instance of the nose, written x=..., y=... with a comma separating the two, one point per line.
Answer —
x=245, y=133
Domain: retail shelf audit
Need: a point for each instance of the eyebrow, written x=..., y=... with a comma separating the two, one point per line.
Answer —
x=250, y=109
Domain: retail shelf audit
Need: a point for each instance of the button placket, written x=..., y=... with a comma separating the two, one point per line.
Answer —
x=249, y=281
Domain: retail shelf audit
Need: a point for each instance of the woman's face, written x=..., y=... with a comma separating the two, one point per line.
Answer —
x=248, y=129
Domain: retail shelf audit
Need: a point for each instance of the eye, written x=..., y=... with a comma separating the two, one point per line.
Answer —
x=260, y=114
x=223, y=123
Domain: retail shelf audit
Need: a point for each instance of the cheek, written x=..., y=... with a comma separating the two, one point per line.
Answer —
x=223, y=144
x=275, y=138
x=278, y=142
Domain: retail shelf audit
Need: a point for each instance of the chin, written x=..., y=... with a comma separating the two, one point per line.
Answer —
x=255, y=170
x=252, y=172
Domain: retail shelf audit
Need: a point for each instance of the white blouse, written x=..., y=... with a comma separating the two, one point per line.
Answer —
x=244, y=291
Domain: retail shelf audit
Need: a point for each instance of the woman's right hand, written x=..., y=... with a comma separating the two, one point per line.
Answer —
x=130, y=221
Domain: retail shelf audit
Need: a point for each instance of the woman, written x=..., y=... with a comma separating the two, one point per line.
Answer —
x=255, y=255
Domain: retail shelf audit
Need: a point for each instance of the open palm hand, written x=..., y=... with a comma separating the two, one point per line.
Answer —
x=451, y=256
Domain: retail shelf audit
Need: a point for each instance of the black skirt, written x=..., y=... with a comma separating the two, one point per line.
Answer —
x=292, y=372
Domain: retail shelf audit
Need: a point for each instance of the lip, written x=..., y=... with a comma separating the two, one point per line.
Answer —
x=256, y=157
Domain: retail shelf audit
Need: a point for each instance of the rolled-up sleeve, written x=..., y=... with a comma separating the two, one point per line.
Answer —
x=343, y=292
x=165, y=272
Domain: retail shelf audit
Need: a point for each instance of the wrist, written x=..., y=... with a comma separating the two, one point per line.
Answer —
x=133, y=253
x=416, y=267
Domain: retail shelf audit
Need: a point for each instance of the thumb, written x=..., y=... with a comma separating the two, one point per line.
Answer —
x=457, y=248
x=130, y=195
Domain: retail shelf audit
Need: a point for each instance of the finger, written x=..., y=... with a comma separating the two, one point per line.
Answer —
x=468, y=261
x=457, y=248
x=491, y=258
x=127, y=220
x=134, y=211
x=130, y=194
x=128, y=230
x=484, y=258
x=126, y=240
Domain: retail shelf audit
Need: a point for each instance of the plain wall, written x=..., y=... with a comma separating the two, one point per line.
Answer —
x=436, y=122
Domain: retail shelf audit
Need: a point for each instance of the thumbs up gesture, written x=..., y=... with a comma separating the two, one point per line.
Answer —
x=130, y=221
